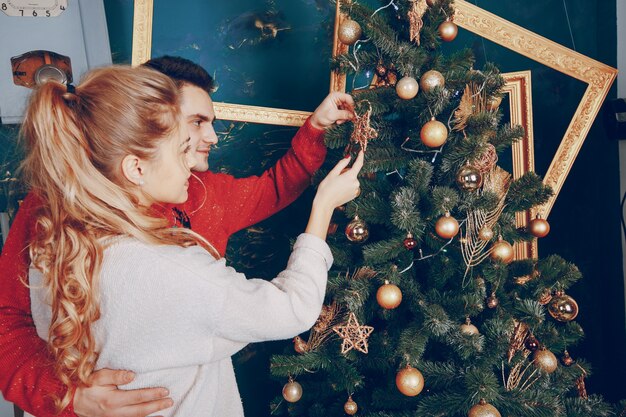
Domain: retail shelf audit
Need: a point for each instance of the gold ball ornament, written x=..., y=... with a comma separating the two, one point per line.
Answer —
x=539, y=227
x=357, y=230
x=483, y=409
x=545, y=360
x=432, y=79
x=494, y=102
x=389, y=296
x=407, y=88
x=350, y=407
x=469, y=178
x=292, y=391
x=349, y=32
x=447, y=227
x=562, y=307
x=434, y=133
x=410, y=381
x=448, y=31
x=485, y=234
x=468, y=328
x=502, y=251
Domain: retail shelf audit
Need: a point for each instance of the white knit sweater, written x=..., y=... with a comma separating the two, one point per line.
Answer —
x=175, y=316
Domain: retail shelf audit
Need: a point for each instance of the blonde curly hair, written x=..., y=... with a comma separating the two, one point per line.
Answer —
x=75, y=143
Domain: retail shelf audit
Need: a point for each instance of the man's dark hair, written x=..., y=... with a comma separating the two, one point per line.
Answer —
x=182, y=71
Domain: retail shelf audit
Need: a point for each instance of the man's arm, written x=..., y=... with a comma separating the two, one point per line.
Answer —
x=26, y=374
x=27, y=377
x=247, y=201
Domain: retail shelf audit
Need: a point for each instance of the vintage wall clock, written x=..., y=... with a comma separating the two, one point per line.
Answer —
x=59, y=39
x=33, y=8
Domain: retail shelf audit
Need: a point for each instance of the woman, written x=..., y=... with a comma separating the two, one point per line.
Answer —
x=112, y=285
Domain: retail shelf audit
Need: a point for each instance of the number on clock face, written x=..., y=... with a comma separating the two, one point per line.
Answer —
x=33, y=8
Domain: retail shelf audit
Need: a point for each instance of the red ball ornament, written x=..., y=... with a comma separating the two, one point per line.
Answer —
x=566, y=359
x=531, y=343
x=409, y=243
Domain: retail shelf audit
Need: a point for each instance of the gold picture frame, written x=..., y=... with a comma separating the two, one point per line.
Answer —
x=142, y=47
x=518, y=88
x=598, y=76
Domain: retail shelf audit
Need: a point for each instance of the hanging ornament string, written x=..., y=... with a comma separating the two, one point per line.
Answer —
x=433, y=151
x=356, y=66
x=482, y=40
x=569, y=25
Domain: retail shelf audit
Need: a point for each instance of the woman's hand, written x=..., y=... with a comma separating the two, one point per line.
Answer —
x=340, y=186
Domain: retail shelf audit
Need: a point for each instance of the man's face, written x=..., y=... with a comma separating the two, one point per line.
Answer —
x=198, y=111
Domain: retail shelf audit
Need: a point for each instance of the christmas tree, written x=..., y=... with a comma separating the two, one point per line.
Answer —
x=428, y=313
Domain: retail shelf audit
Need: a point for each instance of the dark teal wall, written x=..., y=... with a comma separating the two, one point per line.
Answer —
x=585, y=219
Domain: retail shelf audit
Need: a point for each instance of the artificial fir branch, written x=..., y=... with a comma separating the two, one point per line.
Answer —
x=383, y=251
x=593, y=406
x=526, y=192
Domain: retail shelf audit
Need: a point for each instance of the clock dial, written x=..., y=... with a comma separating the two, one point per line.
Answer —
x=33, y=8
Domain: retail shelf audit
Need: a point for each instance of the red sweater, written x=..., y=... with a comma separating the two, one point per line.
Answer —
x=228, y=205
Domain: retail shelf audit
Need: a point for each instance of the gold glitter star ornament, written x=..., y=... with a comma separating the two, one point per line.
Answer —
x=363, y=131
x=354, y=335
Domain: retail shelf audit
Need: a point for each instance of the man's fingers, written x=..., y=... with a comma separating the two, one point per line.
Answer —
x=121, y=398
x=111, y=377
x=142, y=410
x=343, y=115
x=345, y=100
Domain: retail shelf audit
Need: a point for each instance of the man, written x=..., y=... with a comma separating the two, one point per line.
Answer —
x=218, y=206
